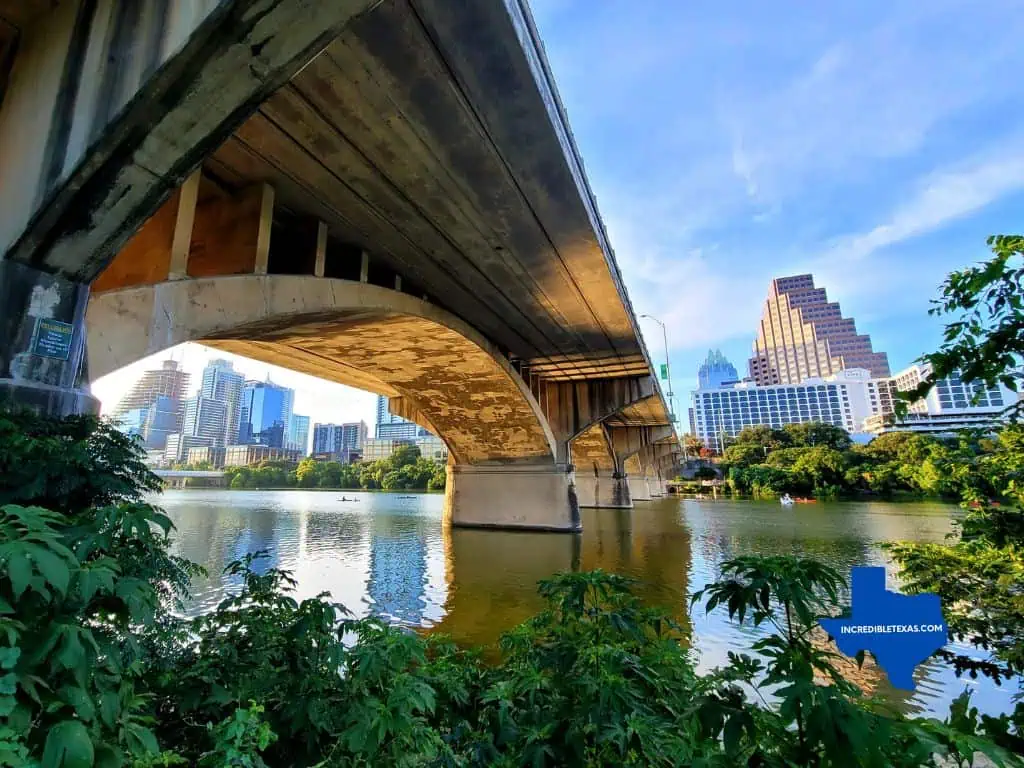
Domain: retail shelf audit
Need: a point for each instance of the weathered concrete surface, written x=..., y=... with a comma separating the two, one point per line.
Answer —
x=591, y=451
x=537, y=497
x=603, y=490
x=575, y=406
x=352, y=333
x=639, y=490
x=150, y=88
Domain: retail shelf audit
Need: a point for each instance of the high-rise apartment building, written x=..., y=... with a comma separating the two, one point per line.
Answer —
x=297, y=438
x=803, y=335
x=265, y=413
x=340, y=442
x=222, y=383
x=204, y=417
x=164, y=388
x=949, y=406
x=716, y=370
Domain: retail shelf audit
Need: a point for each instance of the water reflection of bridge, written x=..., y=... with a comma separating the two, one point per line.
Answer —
x=399, y=563
x=493, y=576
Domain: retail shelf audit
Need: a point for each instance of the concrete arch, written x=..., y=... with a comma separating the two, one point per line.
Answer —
x=350, y=332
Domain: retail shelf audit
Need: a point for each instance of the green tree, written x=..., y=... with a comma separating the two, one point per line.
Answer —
x=815, y=433
x=762, y=436
x=307, y=473
x=786, y=458
x=978, y=577
x=438, y=478
x=984, y=341
x=823, y=467
x=692, y=445
x=745, y=454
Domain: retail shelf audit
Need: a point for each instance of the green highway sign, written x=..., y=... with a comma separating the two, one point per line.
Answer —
x=664, y=371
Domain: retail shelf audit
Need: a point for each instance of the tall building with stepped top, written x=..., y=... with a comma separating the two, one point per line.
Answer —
x=804, y=335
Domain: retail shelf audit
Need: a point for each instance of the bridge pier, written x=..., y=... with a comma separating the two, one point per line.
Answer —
x=42, y=342
x=520, y=496
x=639, y=488
x=657, y=486
x=603, y=489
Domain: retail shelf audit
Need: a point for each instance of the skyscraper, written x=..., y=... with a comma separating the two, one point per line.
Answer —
x=168, y=382
x=715, y=371
x=339, y=441
x=223, y=384
x=297, y=438
x=266, y=411
x=391, y=427
x=204, y=417
x=802, y=335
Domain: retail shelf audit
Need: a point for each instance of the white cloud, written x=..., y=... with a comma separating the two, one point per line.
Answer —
x=941, y=199
x=743, y=167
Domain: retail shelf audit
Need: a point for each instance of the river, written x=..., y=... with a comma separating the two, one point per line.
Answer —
x=389, y=555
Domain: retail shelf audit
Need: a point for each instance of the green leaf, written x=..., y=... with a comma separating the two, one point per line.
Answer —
x=19, y=571
x=144, y=737
x=108, y=756
x=53, y=568
x=80, y=699
x=110, y=708
x=68, y=746
x=9, y=657
x=72, y=653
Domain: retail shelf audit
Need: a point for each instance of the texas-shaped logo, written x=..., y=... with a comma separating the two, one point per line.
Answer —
x=900, y=631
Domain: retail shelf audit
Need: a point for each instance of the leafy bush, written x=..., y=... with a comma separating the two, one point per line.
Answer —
x=95, y=670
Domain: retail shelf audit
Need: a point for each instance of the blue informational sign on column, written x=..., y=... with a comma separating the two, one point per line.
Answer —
x=900, y=631
x=53, y=339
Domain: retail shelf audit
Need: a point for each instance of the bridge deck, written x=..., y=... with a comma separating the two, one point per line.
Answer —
x=421, y=136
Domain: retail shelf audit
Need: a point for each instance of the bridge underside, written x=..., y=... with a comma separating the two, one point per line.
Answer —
x=384, y=194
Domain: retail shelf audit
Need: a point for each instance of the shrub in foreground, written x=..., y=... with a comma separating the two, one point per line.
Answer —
x=95, y=669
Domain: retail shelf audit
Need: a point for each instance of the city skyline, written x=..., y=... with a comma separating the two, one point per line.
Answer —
x=321, y=400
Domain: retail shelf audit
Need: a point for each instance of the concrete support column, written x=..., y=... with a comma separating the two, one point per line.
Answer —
x=528, y=497
x=604, y=489
x=657, y=485
x=639, y=490
x=42, y=342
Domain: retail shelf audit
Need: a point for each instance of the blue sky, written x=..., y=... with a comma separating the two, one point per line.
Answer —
x=875, y=144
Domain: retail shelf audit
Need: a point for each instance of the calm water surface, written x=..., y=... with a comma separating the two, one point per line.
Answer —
x=389, y=555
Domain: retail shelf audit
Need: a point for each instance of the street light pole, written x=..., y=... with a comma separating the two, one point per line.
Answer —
x=668, y=368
